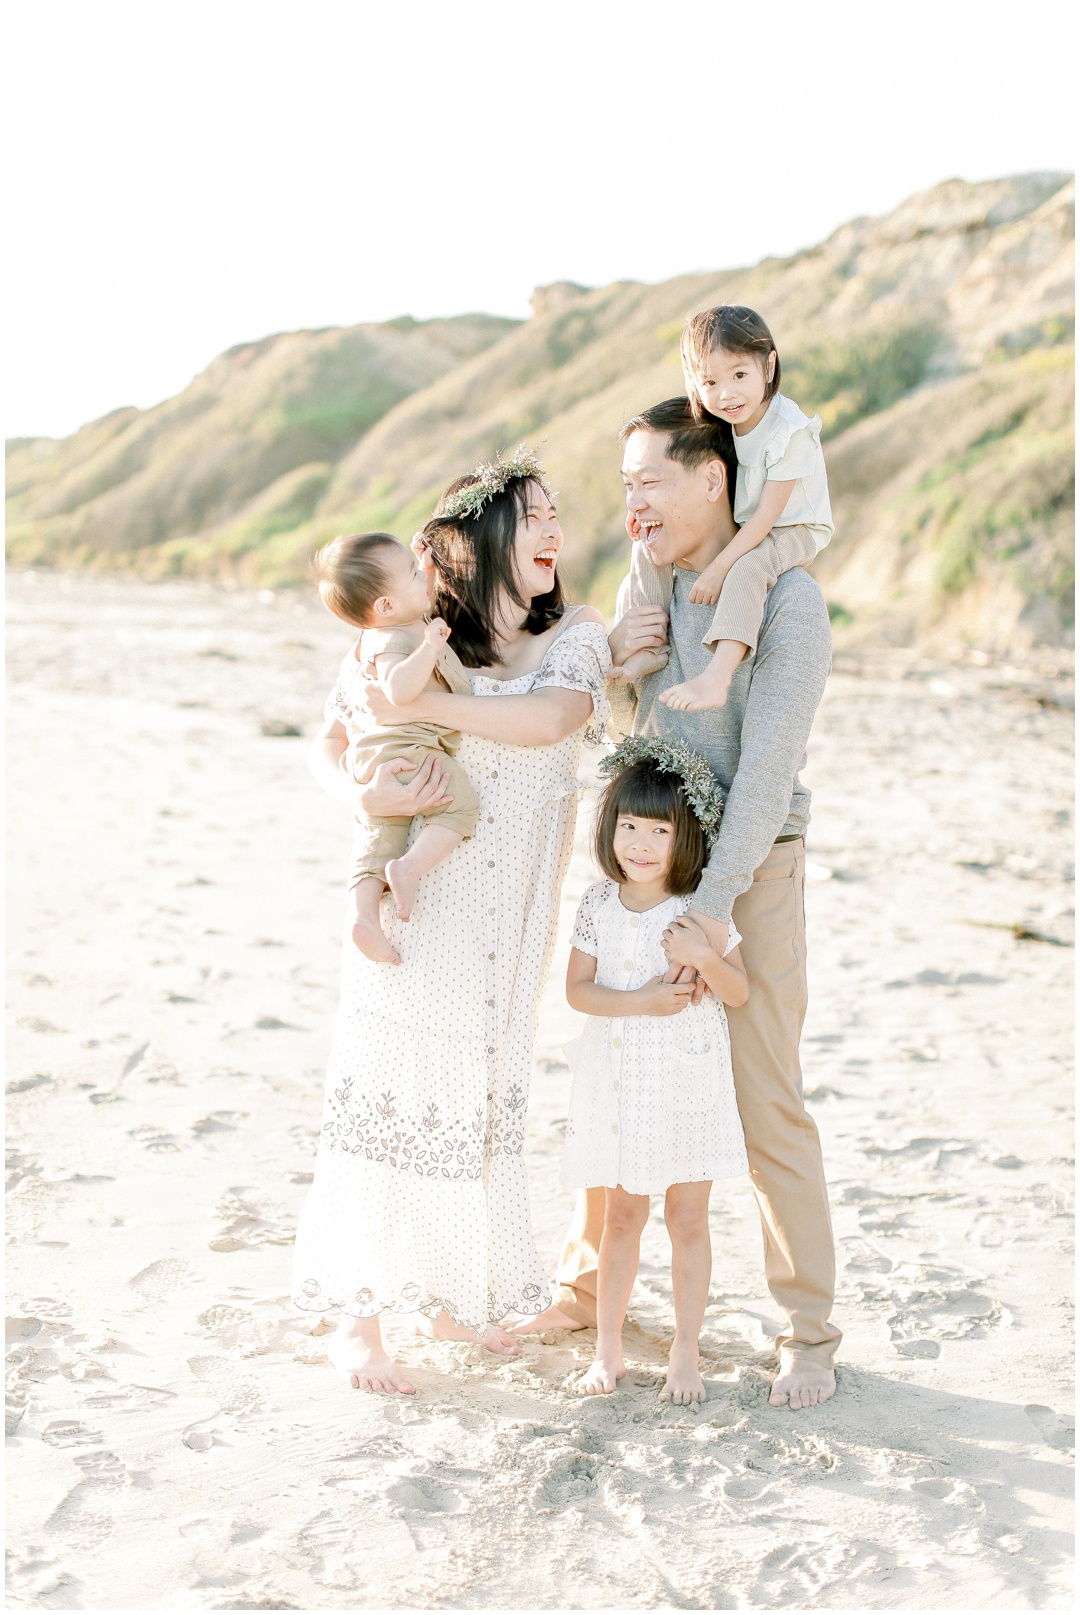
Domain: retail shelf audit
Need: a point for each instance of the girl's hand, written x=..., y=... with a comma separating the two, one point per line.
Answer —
x=385, y=797
x=632, y=528
x=386, y=714
x=660, y=997
x=706, y=591
x=686, y=943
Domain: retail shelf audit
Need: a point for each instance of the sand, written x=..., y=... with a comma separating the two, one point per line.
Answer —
x=178, y=1441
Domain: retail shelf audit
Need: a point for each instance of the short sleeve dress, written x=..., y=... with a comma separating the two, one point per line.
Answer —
x=653, y=1098
x=420, y=1201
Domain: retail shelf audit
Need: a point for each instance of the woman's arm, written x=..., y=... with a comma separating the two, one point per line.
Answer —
x=383, y=796
x=541, y=718
x=656, y=997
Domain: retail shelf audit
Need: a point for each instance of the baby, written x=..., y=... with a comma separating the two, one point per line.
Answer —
x=373, y=582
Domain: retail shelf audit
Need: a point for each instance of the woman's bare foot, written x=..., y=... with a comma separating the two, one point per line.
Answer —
x=801, y=1382
x=684, y=1385
x=402, y=880
x=600, y=1378
x=367, y=931
x=357, y=1352
x=443, y=1327
x=551, y=1318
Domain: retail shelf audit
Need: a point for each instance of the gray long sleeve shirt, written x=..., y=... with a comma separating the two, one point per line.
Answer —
x=756, y=743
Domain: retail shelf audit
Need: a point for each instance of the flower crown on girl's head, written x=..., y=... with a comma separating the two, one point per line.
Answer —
x=675, y=757
x=492, y=477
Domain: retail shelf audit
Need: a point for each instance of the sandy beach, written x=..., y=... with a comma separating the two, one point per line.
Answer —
x=176, y=1438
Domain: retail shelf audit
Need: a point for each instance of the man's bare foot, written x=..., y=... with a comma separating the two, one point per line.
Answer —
x=801, y=1382
x=683, y=1385
x=550, y=1318
x=402, y=880
x=444, y=1328
x=373, y=944
x=639, y=666
x=601, y=1376
x=358, y=1354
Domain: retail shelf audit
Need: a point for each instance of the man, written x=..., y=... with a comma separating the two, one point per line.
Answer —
x=679, y=476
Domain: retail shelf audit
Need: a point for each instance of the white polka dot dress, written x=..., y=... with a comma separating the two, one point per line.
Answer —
x=653, y=1098
x=420, y=1201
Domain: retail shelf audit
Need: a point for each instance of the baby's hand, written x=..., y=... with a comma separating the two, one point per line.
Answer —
x=436, y=632
x=706, y=591
x=660, y=997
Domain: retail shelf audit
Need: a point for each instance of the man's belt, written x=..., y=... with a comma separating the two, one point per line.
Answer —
x=781, y=839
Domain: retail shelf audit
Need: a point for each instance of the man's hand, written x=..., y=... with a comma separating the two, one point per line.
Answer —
x=685, y=973
x=686, y=944
x=643, y=628
x=716, y=931
x=385, y=797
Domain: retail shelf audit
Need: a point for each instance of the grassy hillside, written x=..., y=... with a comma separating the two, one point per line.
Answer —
x=935, y=342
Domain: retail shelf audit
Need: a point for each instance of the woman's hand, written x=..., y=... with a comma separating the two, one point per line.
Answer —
x=642, y=628
x=385, y=797
x=387, y=715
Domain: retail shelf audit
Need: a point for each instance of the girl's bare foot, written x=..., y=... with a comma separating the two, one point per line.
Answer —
x=444, y=1328
x=403, y=881
x=639, y=666
x=684, y=1385
x=801, y=1382
x=709, y=689
x=551, y=1318
x=358, y=1354
x=600, y=1377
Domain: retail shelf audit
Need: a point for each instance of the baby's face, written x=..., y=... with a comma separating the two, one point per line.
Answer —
x=408, y=585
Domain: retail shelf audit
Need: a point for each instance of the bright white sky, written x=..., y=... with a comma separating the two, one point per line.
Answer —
x=187, y=174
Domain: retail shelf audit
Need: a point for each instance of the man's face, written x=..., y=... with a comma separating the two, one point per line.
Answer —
x=673, y=506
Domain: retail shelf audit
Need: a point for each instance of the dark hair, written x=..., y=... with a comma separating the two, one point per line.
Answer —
x=352, y=574
x=690, y=441
x=734, y=328
x=646, y=791
x=473, y=558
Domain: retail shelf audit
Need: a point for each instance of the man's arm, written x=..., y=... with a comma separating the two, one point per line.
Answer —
x=792, y=663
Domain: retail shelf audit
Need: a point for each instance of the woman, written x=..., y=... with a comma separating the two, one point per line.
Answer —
x=420, y=1202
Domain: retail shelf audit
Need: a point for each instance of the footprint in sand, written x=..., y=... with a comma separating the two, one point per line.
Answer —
x=158, y=1281
x=251, y=1221
x=235, y=1391
x=154, y=1139
x=1056, y=1430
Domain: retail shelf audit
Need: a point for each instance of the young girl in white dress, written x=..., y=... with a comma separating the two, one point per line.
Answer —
x=781, y=499
x=652, y=1110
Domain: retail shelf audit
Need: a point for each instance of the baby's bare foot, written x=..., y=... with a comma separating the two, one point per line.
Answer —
x=600, y=1378
x=402, y=881
x=550, y=1318
x=366, y=1367
x=801, y=1382
x=683, y=1385
x=444, y=1328
x=372, y=943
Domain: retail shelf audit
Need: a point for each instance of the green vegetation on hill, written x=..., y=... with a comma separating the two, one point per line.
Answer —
x=933, y=342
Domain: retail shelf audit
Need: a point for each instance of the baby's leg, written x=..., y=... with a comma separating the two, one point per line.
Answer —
x=358, y=1354
x=434, y=843
x=625, y=1215
x=686, y=1212
x=367, y=931
x=739, y=611
x=649, y=586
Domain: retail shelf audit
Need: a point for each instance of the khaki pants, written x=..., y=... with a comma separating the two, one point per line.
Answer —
x=781, y=1139
x=741, y=606
x=376, y=841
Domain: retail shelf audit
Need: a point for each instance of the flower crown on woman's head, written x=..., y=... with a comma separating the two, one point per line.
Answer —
x=492, y=477
x=675, y=757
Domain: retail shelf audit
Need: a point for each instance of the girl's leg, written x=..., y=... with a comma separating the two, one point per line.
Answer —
x=358, y=1354
x=686, y=1212
x=625, y=1215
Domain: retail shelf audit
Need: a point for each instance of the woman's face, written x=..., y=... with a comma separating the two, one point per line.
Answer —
x=538, y=538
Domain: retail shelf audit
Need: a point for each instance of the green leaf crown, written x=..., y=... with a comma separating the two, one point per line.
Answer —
x=675, y=757
x=492, y=477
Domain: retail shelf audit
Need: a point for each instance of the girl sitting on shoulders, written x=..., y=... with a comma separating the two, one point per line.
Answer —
x=653, y=1108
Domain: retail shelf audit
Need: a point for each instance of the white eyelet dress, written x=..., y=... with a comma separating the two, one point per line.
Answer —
x=420, y=1201
x=653, y=1098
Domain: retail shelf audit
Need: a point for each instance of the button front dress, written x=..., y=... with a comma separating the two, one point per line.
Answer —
x=653, y=1098
x=420, y=1200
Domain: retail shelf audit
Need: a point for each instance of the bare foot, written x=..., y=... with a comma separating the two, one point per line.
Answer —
x=444, y=1328
x=801, y=1382
x=697, y=695
x=639, y=666
x=601, y=1376
x=402, y=880
x=551, y=1318
x=683, y=1385
x=373, y=944
x=362, y=1361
